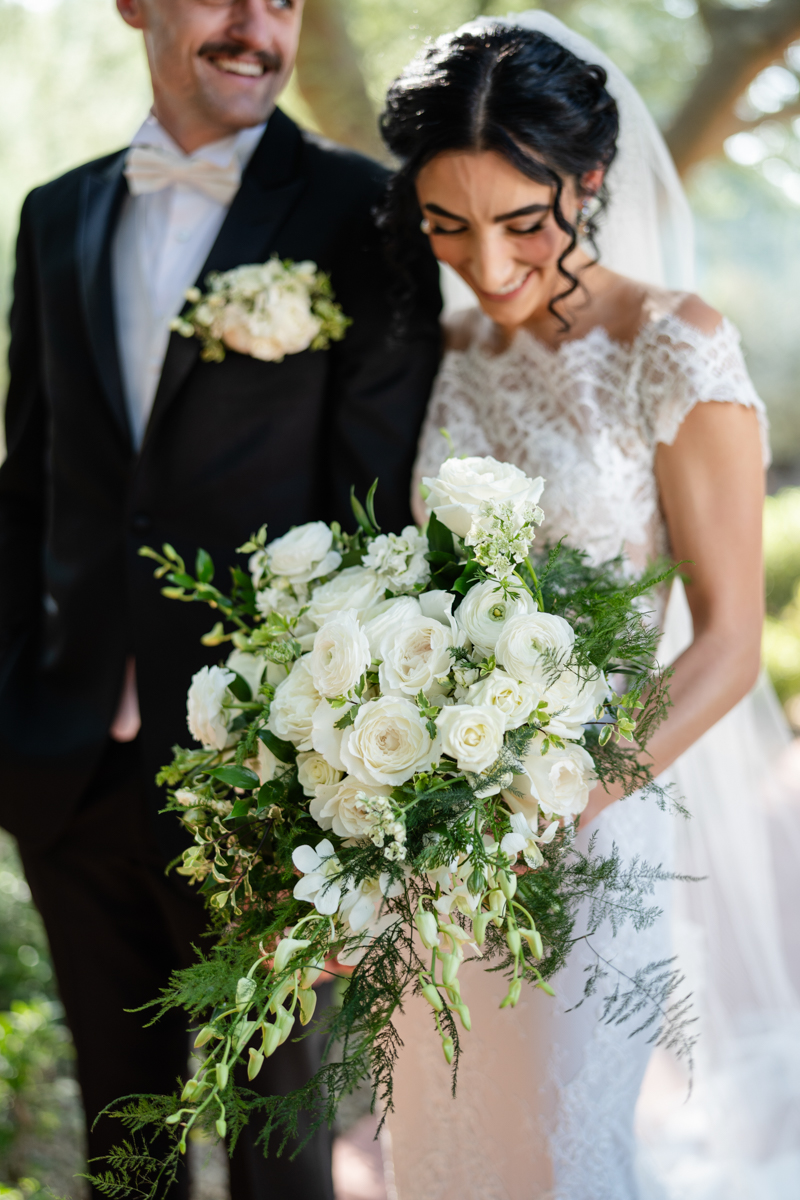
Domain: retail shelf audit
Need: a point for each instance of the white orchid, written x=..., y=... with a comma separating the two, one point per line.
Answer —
x=320, y=867
x=525, y=841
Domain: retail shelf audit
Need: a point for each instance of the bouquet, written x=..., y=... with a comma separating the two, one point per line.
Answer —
x=388, y=772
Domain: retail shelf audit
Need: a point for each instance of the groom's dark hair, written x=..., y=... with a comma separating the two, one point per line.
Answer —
x=502, y=88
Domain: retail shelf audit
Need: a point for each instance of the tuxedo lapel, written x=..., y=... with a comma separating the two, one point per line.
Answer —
x=101, y=196
x=270, y=186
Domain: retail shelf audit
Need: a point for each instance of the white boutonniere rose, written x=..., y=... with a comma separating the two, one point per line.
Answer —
x=265, y=310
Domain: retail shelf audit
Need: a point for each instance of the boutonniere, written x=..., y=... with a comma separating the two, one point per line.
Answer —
x=266, y=310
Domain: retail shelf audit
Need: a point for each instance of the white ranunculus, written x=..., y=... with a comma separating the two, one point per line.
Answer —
x=472, y=735
x=463, y=485
x=355, y=587
x=414, y=656
x=388, y=742
x=340, y=656
x=249, y=666
x=513, y=700
x=344, y=807
x=294, y=704
x=388, y=615
x=400, y=559
x=484, y=612
x=313, y=771
x=205, y=715
x=281, y=323
x=325, y=737
x=572, y=702
x=558, y=782
x=531, y=645
x=303, y=553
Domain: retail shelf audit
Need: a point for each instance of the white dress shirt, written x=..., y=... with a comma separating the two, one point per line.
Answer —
x=160, y=244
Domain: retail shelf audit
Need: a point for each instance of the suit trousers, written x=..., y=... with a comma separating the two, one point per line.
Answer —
x=118, y=926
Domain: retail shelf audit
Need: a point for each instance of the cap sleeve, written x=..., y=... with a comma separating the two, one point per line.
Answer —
x=682, y=367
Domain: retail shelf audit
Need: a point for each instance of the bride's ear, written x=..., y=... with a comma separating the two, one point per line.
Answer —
x=592, y=181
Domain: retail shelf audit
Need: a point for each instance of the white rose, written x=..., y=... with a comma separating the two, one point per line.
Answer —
x=249, y=666
x=345, y=808
x=463, y=485
x=294, y=704
x=388, y=742
x=529, y=646
x=340, y=656
x=558, y=782
x=414, y=656
x=388, y=615
x=281, y=323
x=472, y=735
x=314, y=771
x=514, y=701
x=325, y=737
x=267, y=766
x=355, y=587
x=205, y=715
x=400, y=559
x=303, y=553
x=572, y=702
x=484, y=611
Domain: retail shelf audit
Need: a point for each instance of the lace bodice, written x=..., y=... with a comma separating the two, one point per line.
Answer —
x=588, y=417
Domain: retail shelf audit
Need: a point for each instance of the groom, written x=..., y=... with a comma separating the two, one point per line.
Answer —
x=118, y=436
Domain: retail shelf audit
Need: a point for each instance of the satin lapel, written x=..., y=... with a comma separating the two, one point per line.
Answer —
x=270, y=186
x=101, y=196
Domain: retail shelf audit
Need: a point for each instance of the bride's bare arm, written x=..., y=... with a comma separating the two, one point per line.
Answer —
x=711, y=482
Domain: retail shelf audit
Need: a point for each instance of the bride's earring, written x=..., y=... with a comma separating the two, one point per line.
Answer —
x=425, y=226
x=583, y=214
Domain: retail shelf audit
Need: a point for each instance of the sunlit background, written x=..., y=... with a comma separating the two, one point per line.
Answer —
x=723, y=81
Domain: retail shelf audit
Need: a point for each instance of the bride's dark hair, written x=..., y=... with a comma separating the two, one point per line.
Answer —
x=501, y=88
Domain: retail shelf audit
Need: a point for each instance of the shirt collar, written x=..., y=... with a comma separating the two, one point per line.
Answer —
x=239, y=146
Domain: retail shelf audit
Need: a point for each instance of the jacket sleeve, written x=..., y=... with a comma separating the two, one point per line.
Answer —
x=22, y=473
x=379, y=384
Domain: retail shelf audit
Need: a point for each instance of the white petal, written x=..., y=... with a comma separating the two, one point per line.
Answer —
x=325, y=849
x=520, y=825
x=306, y=859
x=549, y=833
x=327, y=901
x=362, y=913
x=513, y=843
x=307, y=887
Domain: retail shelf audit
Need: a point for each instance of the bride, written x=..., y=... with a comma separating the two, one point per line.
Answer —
x=521, y=155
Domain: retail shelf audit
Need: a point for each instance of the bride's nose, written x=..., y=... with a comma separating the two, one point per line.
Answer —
x=494, y=264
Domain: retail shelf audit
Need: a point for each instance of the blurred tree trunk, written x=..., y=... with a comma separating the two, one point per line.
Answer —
x=743, y=42
x=331, y=80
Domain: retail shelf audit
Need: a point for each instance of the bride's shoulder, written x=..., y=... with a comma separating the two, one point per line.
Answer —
x=461, y=329
x=688, y=307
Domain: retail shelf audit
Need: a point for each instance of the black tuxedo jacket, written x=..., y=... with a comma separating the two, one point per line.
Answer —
x=228, y=446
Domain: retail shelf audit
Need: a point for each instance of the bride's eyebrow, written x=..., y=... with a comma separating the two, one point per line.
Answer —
x=442, y=212
x=522, y=212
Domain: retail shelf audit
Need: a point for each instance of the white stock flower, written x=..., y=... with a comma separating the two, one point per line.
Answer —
x=531, y=645
x=293, y=706
x=472, y=735
x=281, y=597
x=205, y=715
x=400, y=559
x=572, y=702
x=386, y=616
x=354, y=587
x=249, y=666
x=319, y=866
x=340, y=656
x=513, y=700
x=303, y=553
x=558, y=782
x=463, y=485
x=313, y=771
x=388, y=742
x=414, y=656
x=485, y=610
x=344, y=807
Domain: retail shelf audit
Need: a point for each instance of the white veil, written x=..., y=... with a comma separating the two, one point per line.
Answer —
x=739, y=1137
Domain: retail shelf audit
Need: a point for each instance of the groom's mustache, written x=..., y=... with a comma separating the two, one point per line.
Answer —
x=270, y=60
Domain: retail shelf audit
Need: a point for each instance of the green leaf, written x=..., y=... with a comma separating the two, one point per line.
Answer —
x=240, y=688
x=283, y=751
x=359, y=513
x=371, y=506
x=440, y=539
x=239, y=777
x=240, y=809
x=348, y=718
x=181, y=578
x=204, y=567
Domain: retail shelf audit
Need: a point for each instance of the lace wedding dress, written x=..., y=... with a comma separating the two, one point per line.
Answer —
x=547, y=1091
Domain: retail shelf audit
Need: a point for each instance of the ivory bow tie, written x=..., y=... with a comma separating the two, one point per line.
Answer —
x=150, y=168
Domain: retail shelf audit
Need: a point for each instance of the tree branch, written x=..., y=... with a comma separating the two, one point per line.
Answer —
x=743, y=42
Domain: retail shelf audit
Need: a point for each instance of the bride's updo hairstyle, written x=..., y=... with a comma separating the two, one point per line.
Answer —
x=511, y=90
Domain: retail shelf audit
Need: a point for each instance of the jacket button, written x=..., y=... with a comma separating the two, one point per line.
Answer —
x=141, y=523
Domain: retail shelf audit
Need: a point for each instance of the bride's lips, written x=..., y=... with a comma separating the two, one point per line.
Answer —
x=509, y=294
